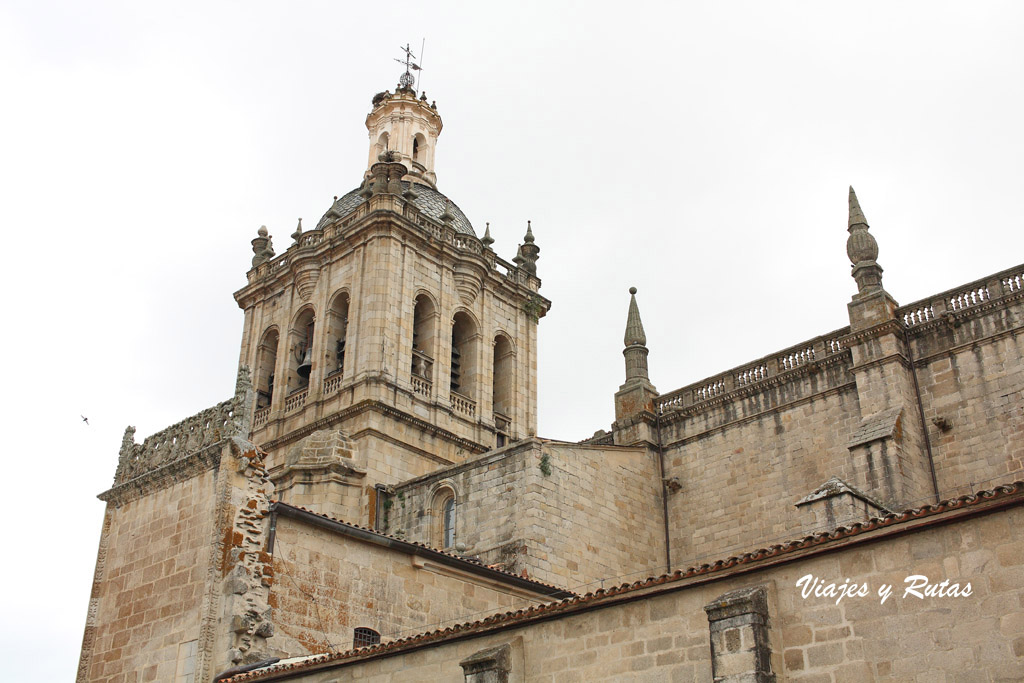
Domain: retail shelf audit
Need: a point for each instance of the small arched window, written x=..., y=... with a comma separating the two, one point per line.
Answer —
x=442, y=518
x=449, y=523
x=415, y=149
x=364, y=637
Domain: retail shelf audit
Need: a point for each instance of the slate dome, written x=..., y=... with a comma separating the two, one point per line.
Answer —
x=430, y=202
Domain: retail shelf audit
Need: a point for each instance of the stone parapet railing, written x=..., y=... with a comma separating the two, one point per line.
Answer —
x=260, y=417
x=825, y=347
x=463, y=404
x=962, y=298
x=332, y=383
x=206, y=428
x=443, y=232
x=421, y=385
x=296, y=400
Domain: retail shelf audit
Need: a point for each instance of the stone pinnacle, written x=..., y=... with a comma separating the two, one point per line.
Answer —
x=634, y=327
x=856, y=215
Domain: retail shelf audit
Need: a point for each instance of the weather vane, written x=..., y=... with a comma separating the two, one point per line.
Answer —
x=407, y=80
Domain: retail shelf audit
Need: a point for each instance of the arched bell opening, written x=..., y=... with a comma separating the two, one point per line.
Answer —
x=503, y=388
x=300, y=357
x=337, y=336
x=266, y=362
x=463, y=366
x=424, y=318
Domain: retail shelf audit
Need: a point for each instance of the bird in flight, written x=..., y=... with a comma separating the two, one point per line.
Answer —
x=85, y=419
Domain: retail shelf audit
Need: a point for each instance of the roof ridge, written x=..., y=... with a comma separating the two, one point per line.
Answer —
x=459, y=558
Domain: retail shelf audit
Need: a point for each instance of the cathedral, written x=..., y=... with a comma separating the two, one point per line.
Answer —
x=374, y=501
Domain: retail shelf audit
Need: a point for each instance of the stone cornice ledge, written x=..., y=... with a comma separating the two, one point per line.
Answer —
x=167, y=475
x=364, y=406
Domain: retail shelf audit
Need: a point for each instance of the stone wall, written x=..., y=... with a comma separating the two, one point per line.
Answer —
x=731, y=621
x=155, y=558
x=326, y=584
x=968, y=346
x=180, y=586
x=571, y=515
x=744, y=446
x=744, y=461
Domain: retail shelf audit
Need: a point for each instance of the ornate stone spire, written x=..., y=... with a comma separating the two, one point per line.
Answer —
x=529, y=251
x=637, y=393
x=298, y=232
x=487, y=240
x=635, y=341
x=262, y=248
x=862, y=249
x=634, y=327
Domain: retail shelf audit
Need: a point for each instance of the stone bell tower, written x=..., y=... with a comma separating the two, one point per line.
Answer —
x=389, y=340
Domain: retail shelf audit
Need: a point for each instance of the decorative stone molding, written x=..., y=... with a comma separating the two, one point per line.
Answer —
x=248, y=574
x=204, y=429
x=740, y=651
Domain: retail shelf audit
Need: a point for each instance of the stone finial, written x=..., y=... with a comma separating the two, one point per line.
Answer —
x=379, y=172
x=487, y=240
x=367, y=189
x=128, y=440
x=636, y=394
x=634, y=327
x=862, y=249
x=262, y=248
x=635, y=342
x=298, y=232
x=410, y=192
x=243, y=381
x=529, y=251
x=447, y=217
x=518, y=259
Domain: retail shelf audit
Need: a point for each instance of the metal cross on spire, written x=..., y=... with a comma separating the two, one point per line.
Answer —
x=407, y=79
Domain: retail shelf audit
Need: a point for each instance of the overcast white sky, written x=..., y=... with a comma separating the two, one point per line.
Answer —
x=699, y=152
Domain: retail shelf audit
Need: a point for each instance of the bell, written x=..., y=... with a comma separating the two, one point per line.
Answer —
x=306, y=366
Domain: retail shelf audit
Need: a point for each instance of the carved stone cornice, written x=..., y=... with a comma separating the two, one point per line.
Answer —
x=378, y=406
x=893, y=326
x=165, y=476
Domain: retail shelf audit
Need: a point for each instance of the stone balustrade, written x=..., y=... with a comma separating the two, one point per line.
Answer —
x=751, y=374
x=332, y=382
x=260, y=417
x=296, y=400
x=463, y=404
x=205, y=428
x=962, y=298
x=421, y=385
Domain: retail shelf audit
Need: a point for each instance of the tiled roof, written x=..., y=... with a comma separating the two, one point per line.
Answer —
x=468, y=563
x=569, y=605
x=431, y=202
